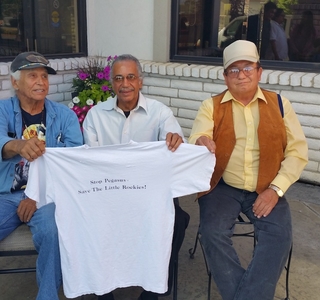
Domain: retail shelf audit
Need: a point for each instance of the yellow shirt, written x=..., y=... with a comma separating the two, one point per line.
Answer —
x=242, y=169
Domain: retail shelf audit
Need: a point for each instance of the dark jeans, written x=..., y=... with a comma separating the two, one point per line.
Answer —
x=218, y=212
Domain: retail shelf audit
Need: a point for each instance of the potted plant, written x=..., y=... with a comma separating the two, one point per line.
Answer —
x=91, y=85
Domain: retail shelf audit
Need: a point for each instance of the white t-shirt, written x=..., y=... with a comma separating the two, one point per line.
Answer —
x=114, y=210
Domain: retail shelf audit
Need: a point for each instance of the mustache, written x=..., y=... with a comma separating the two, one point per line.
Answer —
x=126, y=89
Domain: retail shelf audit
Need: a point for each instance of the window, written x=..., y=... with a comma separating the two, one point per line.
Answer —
x=52, y=27
x=287, y=34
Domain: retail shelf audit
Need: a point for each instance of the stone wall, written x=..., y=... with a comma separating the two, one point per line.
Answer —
x=182, y=87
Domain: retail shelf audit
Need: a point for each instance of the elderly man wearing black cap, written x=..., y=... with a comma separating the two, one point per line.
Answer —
x=28, y=123
x=260, y=150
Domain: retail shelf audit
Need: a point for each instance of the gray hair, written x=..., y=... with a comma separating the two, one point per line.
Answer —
x=16, y=75
x=126, y=57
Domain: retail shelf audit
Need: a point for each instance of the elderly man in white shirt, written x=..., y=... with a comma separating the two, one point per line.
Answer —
x=131, y=116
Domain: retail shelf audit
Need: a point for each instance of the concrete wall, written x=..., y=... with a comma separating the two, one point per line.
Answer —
x=182, y=87
x=139, y=27
x=121, y=26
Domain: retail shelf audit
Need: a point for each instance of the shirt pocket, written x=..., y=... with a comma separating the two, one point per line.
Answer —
x=60, y=140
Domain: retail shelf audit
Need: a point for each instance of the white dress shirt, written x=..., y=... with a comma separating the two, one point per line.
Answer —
x=150, y=120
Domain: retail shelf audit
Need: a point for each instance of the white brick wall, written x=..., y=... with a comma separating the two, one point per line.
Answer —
x=183, y=87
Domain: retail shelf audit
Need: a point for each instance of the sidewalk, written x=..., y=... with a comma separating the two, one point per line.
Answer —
x=304, y=283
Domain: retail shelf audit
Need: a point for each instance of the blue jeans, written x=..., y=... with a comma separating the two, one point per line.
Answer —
x=45, y=238
x=218, y=212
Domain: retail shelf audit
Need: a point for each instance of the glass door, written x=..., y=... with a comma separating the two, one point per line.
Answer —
x=11, y=32
x=55, y=29
x=49, y=27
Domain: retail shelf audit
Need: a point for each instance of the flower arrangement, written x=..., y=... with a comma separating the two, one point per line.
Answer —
x=91, y=85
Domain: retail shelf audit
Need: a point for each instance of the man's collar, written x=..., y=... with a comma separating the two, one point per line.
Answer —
x=111, y=103
x=258, y=95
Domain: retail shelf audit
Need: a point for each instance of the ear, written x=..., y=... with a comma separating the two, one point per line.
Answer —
x=140, y=83
x=15, y=83
x=260, y=73
x=224, y=76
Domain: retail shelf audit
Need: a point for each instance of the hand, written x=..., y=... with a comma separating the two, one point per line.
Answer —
x=26, y=209
x=264, y=203
x=31, y=149
x=173, y=141
x=205, y=141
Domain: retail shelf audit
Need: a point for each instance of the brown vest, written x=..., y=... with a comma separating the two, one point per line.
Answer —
x=271, y=135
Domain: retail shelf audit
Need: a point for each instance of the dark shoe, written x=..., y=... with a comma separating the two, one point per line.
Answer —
x=148, y=296
x=108, y=296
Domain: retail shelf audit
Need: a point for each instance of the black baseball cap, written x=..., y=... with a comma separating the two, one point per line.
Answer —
x=30, y=60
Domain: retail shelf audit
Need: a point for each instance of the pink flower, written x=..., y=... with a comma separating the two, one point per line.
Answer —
x=105, y=88
x=107, y=69
x=100, y=75
x=76, y=109
x=85, y=109
x=81, y=118
x=83, y=76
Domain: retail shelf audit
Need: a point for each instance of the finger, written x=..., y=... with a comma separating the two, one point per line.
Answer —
x=24, y=216
x=33, y=151
x=212, y=147
x=201, y=141
x=259, y=214
x=205, y=141
x=268, y=211
x=41, y=146
x=169, y=137
x=262, y=210
x=257, y=208
x=175, y=142
x=30, y=158
x=29, y=215
x=37, y=148
x=21, y=212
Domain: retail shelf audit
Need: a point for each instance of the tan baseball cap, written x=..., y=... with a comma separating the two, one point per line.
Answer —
x=240, y=50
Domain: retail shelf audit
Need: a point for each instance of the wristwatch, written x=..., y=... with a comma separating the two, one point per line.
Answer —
x=279, y=191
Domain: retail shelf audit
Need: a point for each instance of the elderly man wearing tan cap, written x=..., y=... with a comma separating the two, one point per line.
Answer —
x=29, y=122
x=261, y=150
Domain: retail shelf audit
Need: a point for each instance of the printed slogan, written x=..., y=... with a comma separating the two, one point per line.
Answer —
x=106, y=184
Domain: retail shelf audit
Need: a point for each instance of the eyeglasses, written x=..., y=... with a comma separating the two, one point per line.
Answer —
x=234, y=72
x=120, y=78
